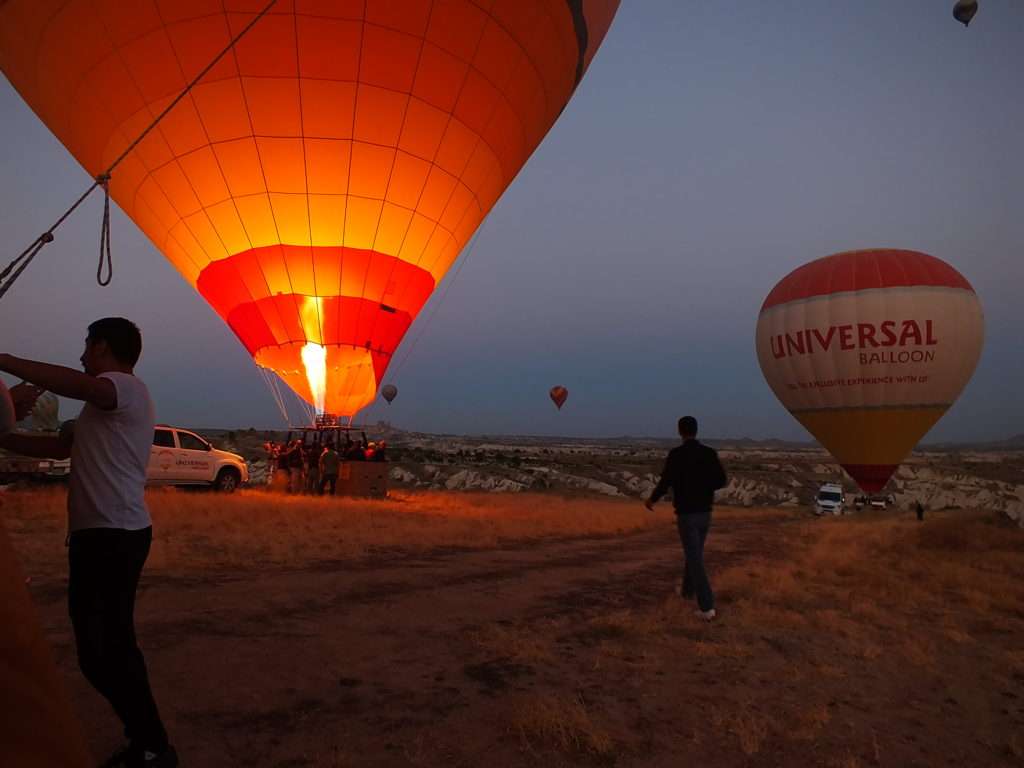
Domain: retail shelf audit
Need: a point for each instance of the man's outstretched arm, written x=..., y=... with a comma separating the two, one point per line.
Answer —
x=63, y=381
x=39, y=446
x=662, y=487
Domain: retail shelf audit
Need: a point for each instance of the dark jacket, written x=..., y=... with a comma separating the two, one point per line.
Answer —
x=694, y=473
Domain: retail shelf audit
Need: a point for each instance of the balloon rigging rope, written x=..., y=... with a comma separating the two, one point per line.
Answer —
x=18, y=265
x=274, y=391
x=444, y=295
x=273, y=384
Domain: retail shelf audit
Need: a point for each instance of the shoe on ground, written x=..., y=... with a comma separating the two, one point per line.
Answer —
x=707, y=615
x=134, y=757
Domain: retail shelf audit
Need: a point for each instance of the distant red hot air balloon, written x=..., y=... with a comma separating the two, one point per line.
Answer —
x=558, y=396
x=389, y=392
x=868, y=349
x=318, y=183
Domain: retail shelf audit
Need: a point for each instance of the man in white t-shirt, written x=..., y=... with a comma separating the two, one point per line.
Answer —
x=109, y=527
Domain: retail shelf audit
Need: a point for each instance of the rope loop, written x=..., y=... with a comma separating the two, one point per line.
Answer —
x=104, y=181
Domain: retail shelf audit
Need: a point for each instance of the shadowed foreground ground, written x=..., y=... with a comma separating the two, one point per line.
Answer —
x=567, y=649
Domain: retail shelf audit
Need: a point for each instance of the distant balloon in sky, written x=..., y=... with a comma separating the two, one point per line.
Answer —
x=558, y=396
x=389, y=392
x=964, y=11
x=320, y=180
x=868, y=349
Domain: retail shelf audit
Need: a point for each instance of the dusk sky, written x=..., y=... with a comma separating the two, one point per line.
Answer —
x=711, y=148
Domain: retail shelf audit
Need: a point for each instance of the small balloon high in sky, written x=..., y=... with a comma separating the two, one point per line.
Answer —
x=868, y=349
x=964, y=11
x=318, y=183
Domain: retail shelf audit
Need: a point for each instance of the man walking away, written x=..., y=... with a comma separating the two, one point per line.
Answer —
x=330, y=462
x=919, y=508
x=109, y=526
x=693, y=472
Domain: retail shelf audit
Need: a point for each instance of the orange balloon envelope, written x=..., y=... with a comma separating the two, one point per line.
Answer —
x=868, y=349
x=38, y=728
x=318, y=183
x=558, y=396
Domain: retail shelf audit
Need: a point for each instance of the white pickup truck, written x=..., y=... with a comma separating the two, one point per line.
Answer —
x=180, y=457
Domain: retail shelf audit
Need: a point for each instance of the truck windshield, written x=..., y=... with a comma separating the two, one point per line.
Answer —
x=829, y=496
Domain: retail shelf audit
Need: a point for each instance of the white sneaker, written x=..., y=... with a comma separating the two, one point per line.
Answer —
x=707, y=615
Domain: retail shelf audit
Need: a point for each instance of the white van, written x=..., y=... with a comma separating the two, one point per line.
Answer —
x=830, y=500
x=180, y=457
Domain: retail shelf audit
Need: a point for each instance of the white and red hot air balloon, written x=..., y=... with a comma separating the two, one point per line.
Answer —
x=868, y=349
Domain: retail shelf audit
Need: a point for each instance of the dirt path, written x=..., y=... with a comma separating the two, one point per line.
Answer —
x=492, y=658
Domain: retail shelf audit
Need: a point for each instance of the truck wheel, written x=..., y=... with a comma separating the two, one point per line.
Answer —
x=227, y=480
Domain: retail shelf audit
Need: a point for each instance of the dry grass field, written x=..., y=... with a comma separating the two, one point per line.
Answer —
x=203, y=531
x=469, y=630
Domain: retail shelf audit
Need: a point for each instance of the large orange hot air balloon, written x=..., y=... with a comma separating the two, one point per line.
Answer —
x=867, y=349
x=318, y=183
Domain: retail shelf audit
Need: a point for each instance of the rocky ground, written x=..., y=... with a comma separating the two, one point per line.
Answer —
x=770, y=473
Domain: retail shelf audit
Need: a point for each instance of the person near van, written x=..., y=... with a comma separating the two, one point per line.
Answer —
x=296, y=465
x=693, y=472
x=280, y=462
x=313, y=468
x=109, y=527
x=330, y=463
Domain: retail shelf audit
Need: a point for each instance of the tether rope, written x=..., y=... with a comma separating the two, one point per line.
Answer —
x=21, y=262
x=274, y=391
x=442, y=297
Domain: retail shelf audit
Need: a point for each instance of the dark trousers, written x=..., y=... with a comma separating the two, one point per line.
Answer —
x=693, y=530
x=105, y=565
x=329, y=480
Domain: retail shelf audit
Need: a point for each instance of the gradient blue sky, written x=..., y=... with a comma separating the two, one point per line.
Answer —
x=712, y=148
